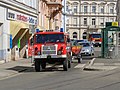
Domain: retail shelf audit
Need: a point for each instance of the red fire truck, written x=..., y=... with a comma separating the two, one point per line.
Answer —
x=50, y=47
x=95, y=38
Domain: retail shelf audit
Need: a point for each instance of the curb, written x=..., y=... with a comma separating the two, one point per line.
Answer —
x=100, y=66
x=90, y=63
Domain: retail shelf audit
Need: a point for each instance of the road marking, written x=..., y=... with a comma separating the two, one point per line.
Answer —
x=91, y=62
x=79, y=65
x=12, y=75
x=100, y=64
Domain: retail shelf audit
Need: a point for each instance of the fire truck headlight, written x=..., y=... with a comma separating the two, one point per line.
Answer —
x=59, y=52
x=39, y=53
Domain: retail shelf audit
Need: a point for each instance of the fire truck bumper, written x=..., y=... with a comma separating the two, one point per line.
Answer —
x=49, y=56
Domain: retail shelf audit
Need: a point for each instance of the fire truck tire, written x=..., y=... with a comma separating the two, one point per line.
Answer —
x=65, y=65
x=38, y=67
x=43, y=64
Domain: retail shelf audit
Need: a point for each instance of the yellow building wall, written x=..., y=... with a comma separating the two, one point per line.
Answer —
x=15, y=26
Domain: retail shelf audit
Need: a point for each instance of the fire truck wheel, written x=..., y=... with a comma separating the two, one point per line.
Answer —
x=38, y=67
x=65, y=65
x=43, y=64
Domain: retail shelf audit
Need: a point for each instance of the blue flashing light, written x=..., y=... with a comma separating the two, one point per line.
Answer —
x=11, y=41
x=61, y=30
x=37, y=30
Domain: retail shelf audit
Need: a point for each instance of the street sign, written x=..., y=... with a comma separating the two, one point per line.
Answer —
x=31, y=29
x=114, y=23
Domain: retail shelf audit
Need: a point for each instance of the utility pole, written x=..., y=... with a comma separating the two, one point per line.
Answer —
x=79, y=18
x=64, y=15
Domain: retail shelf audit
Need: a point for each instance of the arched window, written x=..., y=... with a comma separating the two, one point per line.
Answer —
x=74, y=35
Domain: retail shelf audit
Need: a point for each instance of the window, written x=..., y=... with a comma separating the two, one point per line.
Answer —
x=67, y=8
x=93, y=9
x=75, y=22
x=74, y=35
x=75, y=9
x=102, y=21
x=93, y=21
x=111, y=19
x=67, y=21
x=111, y=11
x=102, y=10
x=85, y=21
x=85, y=9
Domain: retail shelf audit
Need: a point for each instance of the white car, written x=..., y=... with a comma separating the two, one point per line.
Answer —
x=87, y=48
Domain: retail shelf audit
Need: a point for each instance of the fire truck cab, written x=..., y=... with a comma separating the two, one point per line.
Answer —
x=51, y=47
x=95, y=38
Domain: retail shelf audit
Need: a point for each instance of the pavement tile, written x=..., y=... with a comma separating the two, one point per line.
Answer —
x=14, y=67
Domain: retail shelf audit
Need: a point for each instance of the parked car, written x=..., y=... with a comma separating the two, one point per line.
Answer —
x=82, y=40
x=87, y=48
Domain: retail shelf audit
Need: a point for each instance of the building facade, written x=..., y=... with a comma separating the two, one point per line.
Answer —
x=89, y=16
x=50, y=13
x=64, y=11
x=118, y=11
x=18, y=19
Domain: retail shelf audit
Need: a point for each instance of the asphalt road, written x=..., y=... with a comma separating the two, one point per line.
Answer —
x=54, y=78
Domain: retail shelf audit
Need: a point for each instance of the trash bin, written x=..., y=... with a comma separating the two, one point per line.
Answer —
x=8, y=55
x=16, y=52
x=111, y=52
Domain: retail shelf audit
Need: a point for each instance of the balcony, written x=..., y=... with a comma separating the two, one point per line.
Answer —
x=54, y=3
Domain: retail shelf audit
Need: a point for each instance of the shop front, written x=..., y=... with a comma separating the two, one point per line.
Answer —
x=20, y=24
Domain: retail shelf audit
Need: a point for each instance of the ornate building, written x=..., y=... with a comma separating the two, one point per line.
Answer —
x=118, y=11
x=50, y=12
x=89, y=16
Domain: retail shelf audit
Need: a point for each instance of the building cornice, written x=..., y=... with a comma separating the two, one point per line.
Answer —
x=10, y=4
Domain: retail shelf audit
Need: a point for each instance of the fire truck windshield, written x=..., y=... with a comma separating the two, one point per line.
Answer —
x=49, y=38
x=96, y=35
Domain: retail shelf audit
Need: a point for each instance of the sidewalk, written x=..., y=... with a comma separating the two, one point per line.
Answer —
x=14, y=67
x=103, y=64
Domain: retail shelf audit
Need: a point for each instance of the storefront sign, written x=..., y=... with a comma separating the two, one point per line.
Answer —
x=22, y=18
x=13, y=15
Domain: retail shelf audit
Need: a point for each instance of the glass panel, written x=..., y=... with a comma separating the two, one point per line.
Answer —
x=49, y=38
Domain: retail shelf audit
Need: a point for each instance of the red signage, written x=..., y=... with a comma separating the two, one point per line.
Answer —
x=22, y=18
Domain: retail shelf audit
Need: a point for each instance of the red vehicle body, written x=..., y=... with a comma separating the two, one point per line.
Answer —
x=95, y=38
x=30, y=48
x=51, y=47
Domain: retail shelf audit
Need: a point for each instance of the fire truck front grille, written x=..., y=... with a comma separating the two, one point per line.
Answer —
x=48, y=50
